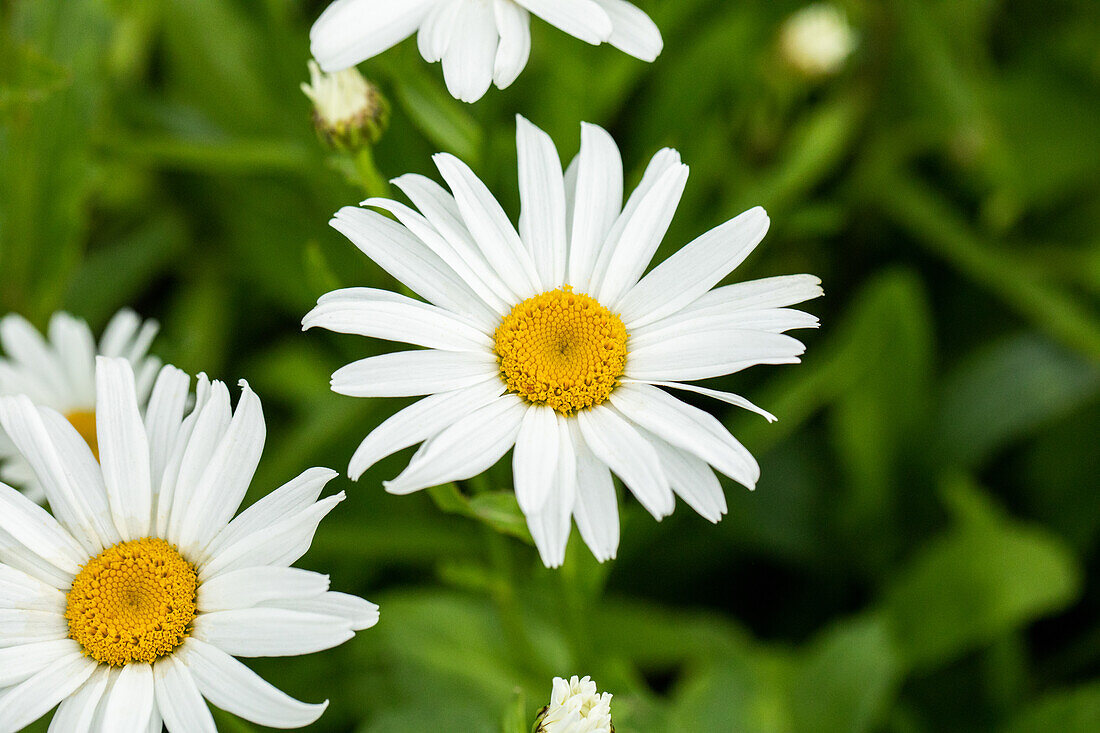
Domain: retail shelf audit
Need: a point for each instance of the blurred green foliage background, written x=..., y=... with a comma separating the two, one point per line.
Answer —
x=921, y=553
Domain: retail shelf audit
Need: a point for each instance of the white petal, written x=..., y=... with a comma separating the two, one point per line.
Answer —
x=693, y=270
x=23, y=661
x=408, y=259
x=77, y=712
x=292, y=498
x=551, y=524
x=156, y=722
x=440, y=209
x=385, y=315
x=597, y=506
x=712, y=320
x=634, y=32
x=181, y=446
x=665, y=164
x=465, y=449
x=437, y=29
x=727, y=397
x=639, y=232
x=34, y=528
x=597, y=202
x=31, y=699
x=411, y=373
x=420, y=421
x=199, y=448
x=235, y=688
x=66, y=469
x=471, y=54
x=687, y=427
x=19, y=590
x=128, y=704
x=489, y=225
x=163, y=419
x=216, y=496
x=251, y=586
x=514, y=27
x=119, y=333
x=178, y=698
x=280, y=544
x=615, y=442
x=75, y=346
x=689, y=357
x=30, y=627
x=542, y=203
x=17, y=555
x=769, y=292
x=23, y=343
x=582, y=19
x=458, y=251
x=123, y=448
x=536, y=457
x=350, y=31
x=691, y=479
x=270, y=632
x=360, y=613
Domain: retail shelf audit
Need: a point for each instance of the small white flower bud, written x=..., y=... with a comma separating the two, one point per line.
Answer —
x=817, y=40
x=576, y=707
x=348, y=111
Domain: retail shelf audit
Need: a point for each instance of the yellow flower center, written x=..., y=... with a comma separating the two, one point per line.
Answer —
x=561, y=349
x=133, y=602
x=84, y=422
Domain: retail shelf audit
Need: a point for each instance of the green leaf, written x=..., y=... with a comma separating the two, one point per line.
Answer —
x=845, y=680
x=1070, y=711
x=972, y=585
x=439, y=116
x=1007, y=390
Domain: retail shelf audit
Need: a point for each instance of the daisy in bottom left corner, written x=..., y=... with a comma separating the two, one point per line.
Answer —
x=126, y=606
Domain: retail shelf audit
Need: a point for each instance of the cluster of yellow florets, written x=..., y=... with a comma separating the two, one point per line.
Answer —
x=133, y=602
x=562, y=349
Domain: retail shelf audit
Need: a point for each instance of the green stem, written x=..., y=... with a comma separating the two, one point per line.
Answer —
x=508, y=605
x=372, y=181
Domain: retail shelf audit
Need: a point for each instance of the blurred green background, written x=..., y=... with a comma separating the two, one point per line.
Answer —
x=921, y=553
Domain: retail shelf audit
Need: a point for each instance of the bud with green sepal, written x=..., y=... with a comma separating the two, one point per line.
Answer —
x=349, y=112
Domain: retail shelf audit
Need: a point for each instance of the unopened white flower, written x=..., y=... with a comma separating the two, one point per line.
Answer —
x=348, y=110
x=59, y=372
x=128, y=604
x=576, y=707
x=817, y=39
x=551, y=341
x=479, y=42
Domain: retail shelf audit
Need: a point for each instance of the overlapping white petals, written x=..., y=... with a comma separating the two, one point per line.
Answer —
x=181, y=477
x=479, y=42
x=574, y=231
x=58, y=372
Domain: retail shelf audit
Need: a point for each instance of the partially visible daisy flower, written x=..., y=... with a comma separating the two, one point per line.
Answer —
x=479, y=42
x=817, y=40
x=550, y=339
x=59, y=372
x=576, y=706
x=128, y=604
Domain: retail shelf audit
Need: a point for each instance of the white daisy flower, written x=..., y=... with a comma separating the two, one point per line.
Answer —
x=550, y=339
x=576, y=707
x=128, y=604
x=479, y=42
x=59, y=373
